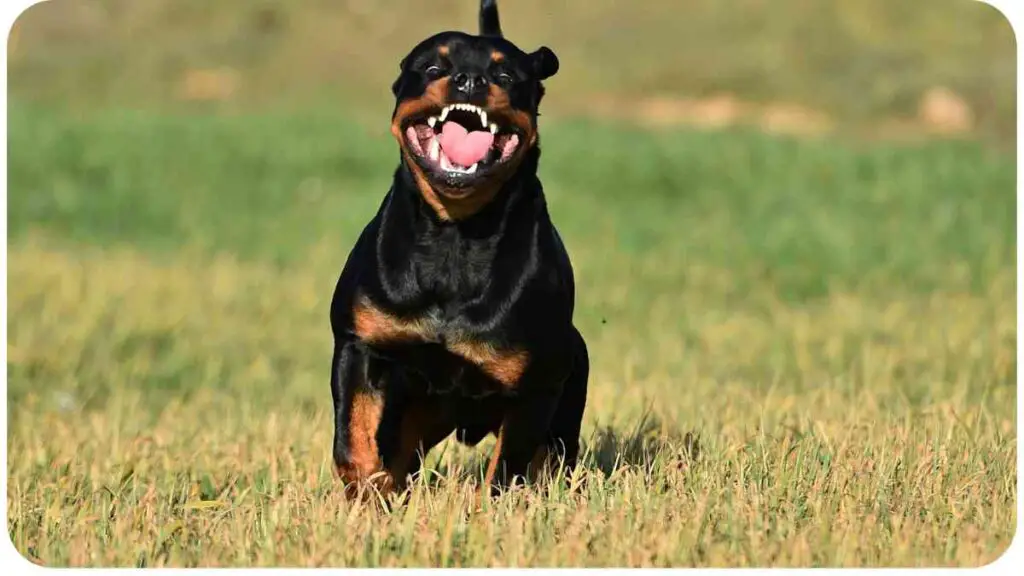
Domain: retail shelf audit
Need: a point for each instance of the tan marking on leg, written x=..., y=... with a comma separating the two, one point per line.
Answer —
x=364, y=458
x=492, y=466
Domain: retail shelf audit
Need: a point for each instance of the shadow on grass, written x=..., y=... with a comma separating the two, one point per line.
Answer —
x=645, y=444
x=642, y=446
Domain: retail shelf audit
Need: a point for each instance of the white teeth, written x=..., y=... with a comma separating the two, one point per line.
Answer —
x=464, y=107
x=494, y=128
x=472, y=168
x=434, y=150
x=432, y=120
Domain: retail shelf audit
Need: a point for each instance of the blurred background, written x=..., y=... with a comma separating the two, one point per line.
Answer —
x=878, y=67
x=704, y=160
x=792, y=223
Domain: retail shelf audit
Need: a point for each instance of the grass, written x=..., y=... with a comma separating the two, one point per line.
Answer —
x=803, y=350
x=856, y=60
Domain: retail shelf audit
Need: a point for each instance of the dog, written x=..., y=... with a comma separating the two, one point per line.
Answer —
x=454, y=309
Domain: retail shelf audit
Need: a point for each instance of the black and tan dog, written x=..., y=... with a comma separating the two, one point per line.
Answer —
x=454, y=310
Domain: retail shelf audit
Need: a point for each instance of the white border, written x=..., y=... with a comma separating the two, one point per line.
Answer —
x=9, y=556
x=1013, y=10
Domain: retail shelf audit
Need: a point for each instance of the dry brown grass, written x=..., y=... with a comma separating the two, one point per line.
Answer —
x=178, y=414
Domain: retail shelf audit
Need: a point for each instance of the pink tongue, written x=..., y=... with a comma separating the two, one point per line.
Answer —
x=464, y=148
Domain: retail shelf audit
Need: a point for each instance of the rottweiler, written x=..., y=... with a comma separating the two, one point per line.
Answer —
x=454, y=309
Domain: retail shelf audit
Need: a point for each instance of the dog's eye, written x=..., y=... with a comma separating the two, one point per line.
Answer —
x=434, y=72
x=504, y=79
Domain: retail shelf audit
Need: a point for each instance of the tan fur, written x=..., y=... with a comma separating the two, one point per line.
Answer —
x=452, y=205
x=492, y=466
x=376, y=326
x=364, y=419
x=435, y=95
x=505, y=367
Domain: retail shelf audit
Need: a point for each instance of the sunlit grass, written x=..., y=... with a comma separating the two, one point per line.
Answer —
x=803, y=352
x=177, y=414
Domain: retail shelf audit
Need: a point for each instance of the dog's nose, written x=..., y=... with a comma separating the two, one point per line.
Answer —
x=469, y=83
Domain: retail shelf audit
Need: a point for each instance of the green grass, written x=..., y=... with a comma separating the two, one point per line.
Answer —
x=803, y=350
x=802, y=213
x=856, y=60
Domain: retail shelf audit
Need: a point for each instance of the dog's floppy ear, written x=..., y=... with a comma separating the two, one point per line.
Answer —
x=396, y=87
x=545, y=63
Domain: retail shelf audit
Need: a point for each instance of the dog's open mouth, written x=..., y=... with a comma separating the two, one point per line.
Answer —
x=459, y=144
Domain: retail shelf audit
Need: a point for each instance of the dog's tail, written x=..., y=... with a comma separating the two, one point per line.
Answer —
x=490, y=25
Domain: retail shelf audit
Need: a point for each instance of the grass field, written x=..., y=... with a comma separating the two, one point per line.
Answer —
x=803, y=350
x=860, y=63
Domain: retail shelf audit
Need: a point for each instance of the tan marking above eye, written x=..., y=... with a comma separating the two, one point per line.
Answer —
x=497, y=57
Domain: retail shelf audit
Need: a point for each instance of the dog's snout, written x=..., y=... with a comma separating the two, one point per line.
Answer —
x=468, y=82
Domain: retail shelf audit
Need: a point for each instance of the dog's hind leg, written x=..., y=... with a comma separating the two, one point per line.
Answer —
x=540, y=430
x=563, y=442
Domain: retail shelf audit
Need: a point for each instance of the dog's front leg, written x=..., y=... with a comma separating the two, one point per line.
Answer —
x=380, y=431
x=359, y=411
x=521, y=440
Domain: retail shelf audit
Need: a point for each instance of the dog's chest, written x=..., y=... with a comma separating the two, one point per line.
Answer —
x=379, y=327
x=451, y=267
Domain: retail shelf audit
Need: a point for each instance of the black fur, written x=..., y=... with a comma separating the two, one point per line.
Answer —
x=499, y=277
x=489, y=22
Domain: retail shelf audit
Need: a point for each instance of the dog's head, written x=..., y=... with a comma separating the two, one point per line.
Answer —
x=466, y=113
